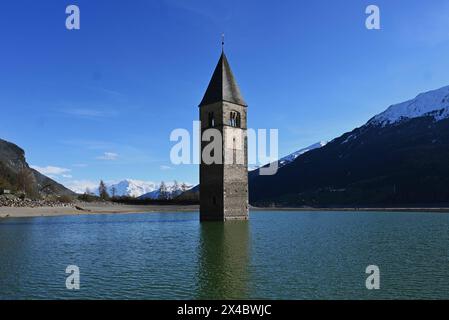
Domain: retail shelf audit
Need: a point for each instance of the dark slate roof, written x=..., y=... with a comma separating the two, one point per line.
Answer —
x=222, y=86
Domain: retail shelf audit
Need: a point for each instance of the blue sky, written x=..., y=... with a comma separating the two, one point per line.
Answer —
x=100, y=102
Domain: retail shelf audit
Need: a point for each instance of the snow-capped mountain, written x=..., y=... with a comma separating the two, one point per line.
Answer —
x=291, y=157
x=172, y=191
x=398, y=158
x=434, y=103
x=130, y=188
x=142, y=189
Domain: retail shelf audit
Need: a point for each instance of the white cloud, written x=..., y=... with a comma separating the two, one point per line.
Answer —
x=51, y=170
x=80, y=186
x=108, y=156
x=163, y=167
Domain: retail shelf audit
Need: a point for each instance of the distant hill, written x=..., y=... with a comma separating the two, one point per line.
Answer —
x=399, y=157
x=16, y=174
x=192, y=194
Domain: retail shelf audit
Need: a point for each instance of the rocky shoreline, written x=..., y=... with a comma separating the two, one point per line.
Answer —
x=17, y=202
x=91, y=208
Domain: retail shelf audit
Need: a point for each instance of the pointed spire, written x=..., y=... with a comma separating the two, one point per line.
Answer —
x=222, y=86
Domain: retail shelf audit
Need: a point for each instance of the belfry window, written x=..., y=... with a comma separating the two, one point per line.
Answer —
x=234, y=119
x=211, y=120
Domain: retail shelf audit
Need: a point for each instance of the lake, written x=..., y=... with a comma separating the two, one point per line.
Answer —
x=275, y=255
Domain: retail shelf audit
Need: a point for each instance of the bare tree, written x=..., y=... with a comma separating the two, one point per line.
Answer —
x=184, y=187
x=25, y=182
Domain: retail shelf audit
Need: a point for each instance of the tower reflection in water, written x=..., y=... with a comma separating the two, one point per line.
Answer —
x=223, y=257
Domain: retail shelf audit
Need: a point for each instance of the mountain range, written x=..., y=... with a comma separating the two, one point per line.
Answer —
x=143, y=189
x=399, y=158
x=172, y=191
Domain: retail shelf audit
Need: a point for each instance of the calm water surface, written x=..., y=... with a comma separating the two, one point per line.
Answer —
x=276, y=255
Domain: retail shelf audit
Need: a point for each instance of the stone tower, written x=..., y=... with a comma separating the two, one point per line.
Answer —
x=224, y=185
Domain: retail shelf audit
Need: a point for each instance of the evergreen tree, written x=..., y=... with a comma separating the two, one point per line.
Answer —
x=163, y=191
x=102, y=191
x=176, y=191
x=114, y=192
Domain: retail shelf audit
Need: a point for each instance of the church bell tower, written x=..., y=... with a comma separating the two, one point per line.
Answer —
x=224, y=184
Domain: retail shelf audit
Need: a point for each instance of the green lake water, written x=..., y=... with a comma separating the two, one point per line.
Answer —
x=275, y=255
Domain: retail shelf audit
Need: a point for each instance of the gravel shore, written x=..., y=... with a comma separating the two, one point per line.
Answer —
x=89, y=208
